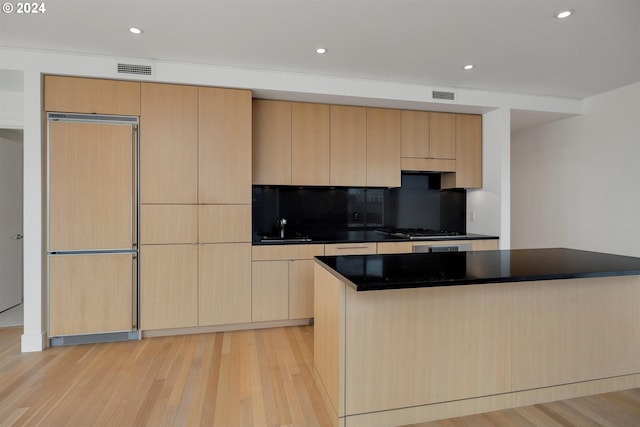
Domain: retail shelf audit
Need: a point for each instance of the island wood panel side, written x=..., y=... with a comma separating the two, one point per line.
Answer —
x=424, y=346
x=575, y=330
x=329, y=339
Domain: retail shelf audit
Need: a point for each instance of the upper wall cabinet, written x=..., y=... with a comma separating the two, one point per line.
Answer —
x=310, y=143
x=271, y=142
x=384, y=130
x=348, y=164
x=468, y=173
x=168, y=143
x=428, y=141
x=224, y=146
x=94, y=96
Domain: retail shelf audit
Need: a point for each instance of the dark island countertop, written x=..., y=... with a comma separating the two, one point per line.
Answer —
x=419, y=270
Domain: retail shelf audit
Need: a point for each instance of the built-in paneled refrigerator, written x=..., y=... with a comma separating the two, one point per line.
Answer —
x=92, y=232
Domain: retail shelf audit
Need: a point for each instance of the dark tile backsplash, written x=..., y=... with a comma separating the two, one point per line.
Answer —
x=316, y=211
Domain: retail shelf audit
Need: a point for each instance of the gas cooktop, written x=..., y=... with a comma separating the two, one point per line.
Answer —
x=417, y=233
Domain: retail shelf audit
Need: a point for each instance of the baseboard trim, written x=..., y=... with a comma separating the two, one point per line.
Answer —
x=33, y=342
x=224, y=328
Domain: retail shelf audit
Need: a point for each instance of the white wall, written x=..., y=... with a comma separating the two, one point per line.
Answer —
x=289, y=86
x=576, y=182
x=488, y=209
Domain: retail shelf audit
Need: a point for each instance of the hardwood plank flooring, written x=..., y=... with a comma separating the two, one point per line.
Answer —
x=245, y=378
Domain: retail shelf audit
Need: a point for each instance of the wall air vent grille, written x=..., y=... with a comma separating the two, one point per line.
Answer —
x=144, y=70
x=438, y=94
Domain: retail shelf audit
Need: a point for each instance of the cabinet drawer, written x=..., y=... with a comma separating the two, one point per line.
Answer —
x=224, y=223
x=429, y=165
x=162, y=224
x=285, y=252
x=350, y=249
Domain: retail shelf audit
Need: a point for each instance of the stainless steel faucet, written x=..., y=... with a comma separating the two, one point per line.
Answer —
x=282, y=222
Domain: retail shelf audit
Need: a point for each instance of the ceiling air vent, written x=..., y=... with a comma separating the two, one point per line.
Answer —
x=437, y=94
x=144, y=70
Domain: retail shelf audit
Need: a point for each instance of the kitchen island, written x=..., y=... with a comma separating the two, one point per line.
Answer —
x=408, y=338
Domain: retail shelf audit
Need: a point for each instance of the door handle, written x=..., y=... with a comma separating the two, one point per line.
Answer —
x=18, y=237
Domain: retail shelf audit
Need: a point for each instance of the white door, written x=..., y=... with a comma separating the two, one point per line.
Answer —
x=10, y=219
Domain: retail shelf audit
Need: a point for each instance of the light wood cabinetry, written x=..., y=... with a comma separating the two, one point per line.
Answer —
x=95, y=96
x=584, y=334
x=92, y=163
x=384, y=130
x=168, y=144
x=282, y=281
x=407, y=247
x=169, y=286
x=468, y=172
x=350, y=249
x=269, y=290
x=442, y=136
x=195, y=148
x=90, y=294
x=224, y=223
x=224, y=145
x=428, y=141
x=310, y=144
x=271, y=142
x=224, y=283
x=164, y=224
x=348, y=146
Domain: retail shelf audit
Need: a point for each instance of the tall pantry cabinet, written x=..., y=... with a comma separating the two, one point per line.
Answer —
x=195, y=190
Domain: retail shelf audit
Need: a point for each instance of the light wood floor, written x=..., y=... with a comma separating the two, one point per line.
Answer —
x=247, y=378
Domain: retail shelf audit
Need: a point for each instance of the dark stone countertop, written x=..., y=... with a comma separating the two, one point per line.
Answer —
x=364, y=237
x=419, y=270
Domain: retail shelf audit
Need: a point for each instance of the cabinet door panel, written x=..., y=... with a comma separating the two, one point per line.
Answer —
x=90, y=186
x=348, y=166
x=269, y=290
x=301, y=289
x=168, y=286
x=271, y=142
x=224, y=223
x=90, y=294
x=168, y=144
x=224, y=283
x=383, y=147
x=224, y=156
x=442, y=135
x=415, y=134
x=310, y=144
x=95, y=96
x=162, y=224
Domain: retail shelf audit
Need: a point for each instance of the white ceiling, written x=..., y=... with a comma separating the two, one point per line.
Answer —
x=516, y=45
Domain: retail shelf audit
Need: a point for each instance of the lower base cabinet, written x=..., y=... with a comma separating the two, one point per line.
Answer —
x=282, y=290
x=224, y=283
x=191, y=285
x=168, y=286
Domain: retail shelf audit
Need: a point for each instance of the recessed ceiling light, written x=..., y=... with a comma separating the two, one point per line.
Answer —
x=135, y=30
x=321, y=51
x=565, y=14
x=468, y=67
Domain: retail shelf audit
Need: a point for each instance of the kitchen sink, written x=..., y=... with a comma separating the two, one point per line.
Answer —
x=287, y=239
